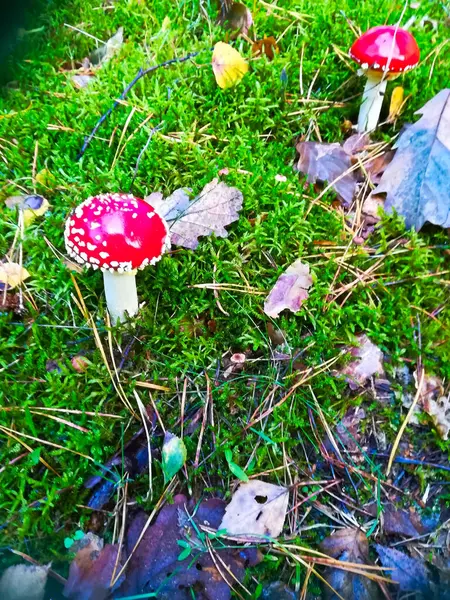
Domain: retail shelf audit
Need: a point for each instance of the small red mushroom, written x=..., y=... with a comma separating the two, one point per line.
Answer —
x=118, y=234
x=383, y=53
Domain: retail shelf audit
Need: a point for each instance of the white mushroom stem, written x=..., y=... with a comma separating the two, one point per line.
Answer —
x=373, y=95
x=121, y=295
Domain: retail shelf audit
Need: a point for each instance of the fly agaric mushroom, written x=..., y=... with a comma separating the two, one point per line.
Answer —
x=118, y=234
x=383, y=53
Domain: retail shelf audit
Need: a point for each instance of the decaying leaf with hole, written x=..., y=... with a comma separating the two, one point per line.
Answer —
x=217, y=206
x=237, y=18
x=91, y=570
x=257, y=511
x=349, y=545
x=12, y=275
x=290, y=290
x=32, y=206
x=416, y=182
x=228, y=65
x=266, y=47
x=24, y=582
x=172, y=559
x=367, y=361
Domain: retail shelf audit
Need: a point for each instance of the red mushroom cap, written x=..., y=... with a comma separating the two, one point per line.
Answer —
x=116, y=232
x=386, y=48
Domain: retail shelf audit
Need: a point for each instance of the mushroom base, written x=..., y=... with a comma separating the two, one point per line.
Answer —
x=372, y=101
x=121, y=295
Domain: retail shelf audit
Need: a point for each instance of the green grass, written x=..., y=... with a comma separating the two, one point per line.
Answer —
x=248, y=130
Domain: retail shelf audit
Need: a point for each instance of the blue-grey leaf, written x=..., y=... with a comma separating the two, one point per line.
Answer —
x=416, y=182
x=410, y=574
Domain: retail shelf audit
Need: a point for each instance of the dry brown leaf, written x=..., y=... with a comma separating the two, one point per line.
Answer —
x=257, y=510
x=267, y=46
x=290, y=290
x=24, y=582
x=368, y=361
x=12, y=275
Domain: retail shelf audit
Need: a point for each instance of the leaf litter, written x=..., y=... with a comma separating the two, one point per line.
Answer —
x=290, y=290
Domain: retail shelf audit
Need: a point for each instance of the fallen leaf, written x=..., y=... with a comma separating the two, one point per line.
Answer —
x=82, y=81
x=267, y=46
x=416, y=181
x=257, y=511
x=368, y=361
x=238, y=18
x=433, y=401
x=348, y=430
x=210, y=212
x=107, y=50
x=327, y=162
x=154, y=566
x=397, y=521
x=80, y=364
x=356, y=143
x=397, y=103
x=24, y=582
x=12, y=275
x=45, y=178
x=228, y=65
x=278, y=590
x=91, y=570
x=32, y=206
x=410, y=574
x=173, y=455
x=11, y=302
x=349, y=545
x=290, y=290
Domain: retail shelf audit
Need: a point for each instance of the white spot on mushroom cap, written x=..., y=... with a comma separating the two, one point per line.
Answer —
x=103, y=254
x=75, y=231
x=91, y=247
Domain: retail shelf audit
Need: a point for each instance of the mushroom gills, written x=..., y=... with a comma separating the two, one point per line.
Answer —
x=121, y=295
x=372, y=102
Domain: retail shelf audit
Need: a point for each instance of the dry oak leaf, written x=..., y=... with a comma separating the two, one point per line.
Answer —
x=24, y=582
x=217, y=206
x=290, y=290
x=257, y=511
x=368, y=361
x=12, y=275
x=228, y=65
x=349, y=545
x=416, y=182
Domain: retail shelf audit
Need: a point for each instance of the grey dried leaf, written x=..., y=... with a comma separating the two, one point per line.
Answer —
x=368, y=361
x=416, y=181
x=24, y=582
x=328, y=162
x=82, y=81
x=105, y=52
x=410, y=574
x=290, y=290
x=217, y=206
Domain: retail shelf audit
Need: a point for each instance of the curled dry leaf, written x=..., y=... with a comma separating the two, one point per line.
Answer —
x=12, y=275
x=367, y=361
x=32, y=206
x=267, y=46
x=416, y=181
x=257, y=511
x=290, y=290
x=217, y=206
x=228, y=65
x=348, y=545
x=328, y=163
x=92, y=569
x=24, y=582
x=238, y=18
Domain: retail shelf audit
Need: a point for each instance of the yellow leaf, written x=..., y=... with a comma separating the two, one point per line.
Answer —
x=12, y=274
x=32, y=206
x=397, y=103
x=228, y=65
x=45, y=178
